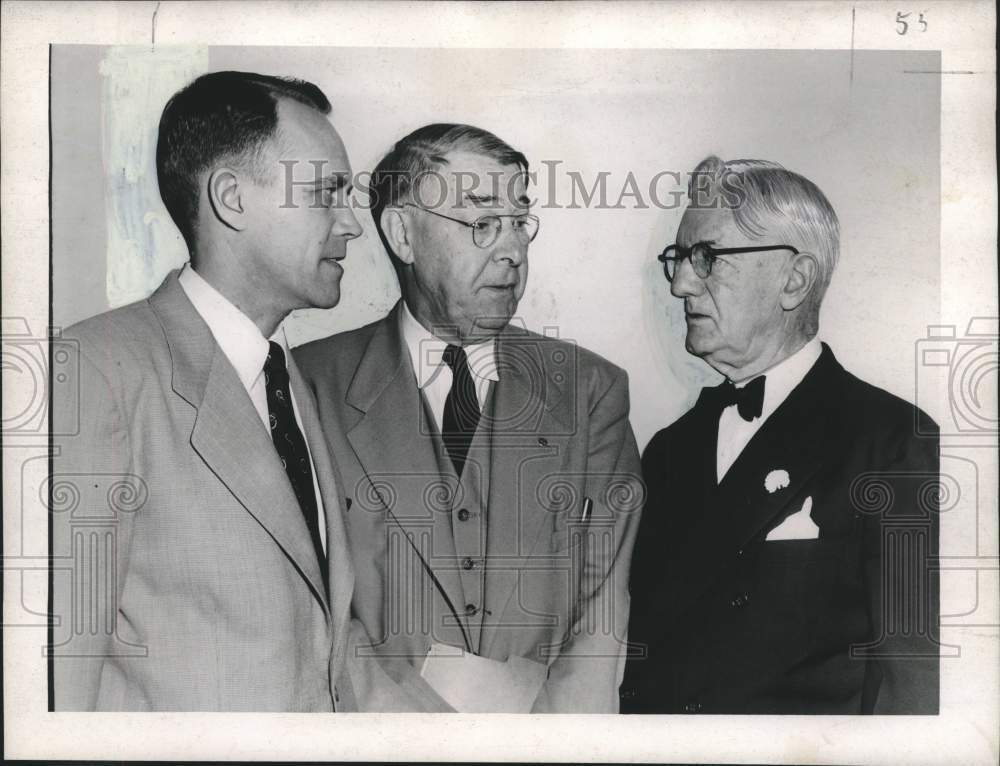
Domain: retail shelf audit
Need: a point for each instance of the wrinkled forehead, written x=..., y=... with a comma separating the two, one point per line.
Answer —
x=714, y=225
x=468, y=179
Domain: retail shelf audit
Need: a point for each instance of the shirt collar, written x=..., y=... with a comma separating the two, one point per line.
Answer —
x=238, y=337
x=786, y=375
x=426, y=352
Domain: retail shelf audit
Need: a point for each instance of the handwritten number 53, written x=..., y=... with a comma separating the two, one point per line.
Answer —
x=902, y=27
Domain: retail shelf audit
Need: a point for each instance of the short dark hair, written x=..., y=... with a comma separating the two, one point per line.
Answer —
x=423, y=151
x=220, y=116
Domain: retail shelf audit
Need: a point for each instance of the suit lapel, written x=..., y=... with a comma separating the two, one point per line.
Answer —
x=693, y=536
x=530, y=437
x=227, y=431
x=798, y=438
x=331, y=485
x=393, y=441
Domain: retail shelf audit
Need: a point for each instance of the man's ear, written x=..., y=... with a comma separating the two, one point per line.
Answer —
x=803, y=270
x=225, y=197
x=394, y=227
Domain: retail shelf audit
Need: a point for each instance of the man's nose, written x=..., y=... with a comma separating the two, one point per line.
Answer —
x=685, y=281
x=345, y=224
x=510, y=247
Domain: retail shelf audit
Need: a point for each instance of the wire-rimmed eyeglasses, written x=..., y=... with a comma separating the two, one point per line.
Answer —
x=703, y=256
x=486, y=229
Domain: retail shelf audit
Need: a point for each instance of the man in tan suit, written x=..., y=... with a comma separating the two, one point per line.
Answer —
x=199, y=553
x=493, y=472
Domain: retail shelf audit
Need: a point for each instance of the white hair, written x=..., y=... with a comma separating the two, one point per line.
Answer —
x=767, y=201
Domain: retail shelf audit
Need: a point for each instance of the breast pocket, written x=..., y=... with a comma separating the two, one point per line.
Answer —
x=802, y=553
x=813, y=577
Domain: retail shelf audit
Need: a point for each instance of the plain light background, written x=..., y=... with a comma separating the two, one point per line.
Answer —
x=863, y=126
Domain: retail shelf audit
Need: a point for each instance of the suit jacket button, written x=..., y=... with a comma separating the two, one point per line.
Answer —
x=463, y=514
x=471, y=609
x=692, y=707
x=468, y=563
x=627, y=694
x=336, y=695
x=739, y=600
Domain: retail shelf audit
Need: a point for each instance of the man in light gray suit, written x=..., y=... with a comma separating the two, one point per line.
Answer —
x=202, y=562
x=493, y=471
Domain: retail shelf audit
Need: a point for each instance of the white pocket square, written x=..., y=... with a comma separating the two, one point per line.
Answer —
x=798, y=526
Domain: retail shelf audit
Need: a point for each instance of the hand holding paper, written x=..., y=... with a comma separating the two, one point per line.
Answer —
x=473, y=684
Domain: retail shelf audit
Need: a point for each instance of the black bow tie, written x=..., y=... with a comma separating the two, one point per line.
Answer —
x=749, y=399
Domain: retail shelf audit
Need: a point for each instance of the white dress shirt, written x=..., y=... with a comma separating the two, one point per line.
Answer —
x=246, y=349
x=434, y=376
x=735, y=432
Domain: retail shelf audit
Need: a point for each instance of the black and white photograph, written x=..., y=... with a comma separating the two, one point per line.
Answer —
x=446, y=365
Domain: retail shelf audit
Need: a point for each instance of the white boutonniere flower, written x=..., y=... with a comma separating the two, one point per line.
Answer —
x=775, y=480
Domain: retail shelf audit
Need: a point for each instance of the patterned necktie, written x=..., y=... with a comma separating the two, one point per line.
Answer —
x=291, y=445
x=461, y=408
x=749, y=399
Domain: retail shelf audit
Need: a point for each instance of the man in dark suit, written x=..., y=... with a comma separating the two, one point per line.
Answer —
x=785, y=552
x=200, y=560
x=494, y=475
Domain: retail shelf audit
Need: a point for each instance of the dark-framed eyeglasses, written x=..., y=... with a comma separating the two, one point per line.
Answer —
x=486, y=229
x=703, y=256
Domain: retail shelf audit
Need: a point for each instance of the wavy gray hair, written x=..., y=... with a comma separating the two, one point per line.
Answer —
x=767, y=200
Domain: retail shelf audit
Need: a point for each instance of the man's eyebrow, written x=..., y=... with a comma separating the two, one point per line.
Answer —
x=488, y=200
x=480, y=199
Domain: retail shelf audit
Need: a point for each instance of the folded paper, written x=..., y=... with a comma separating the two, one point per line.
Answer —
x=473, y=684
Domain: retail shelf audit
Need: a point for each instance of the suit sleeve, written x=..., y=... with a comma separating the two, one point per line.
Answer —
x=900, y=554
x=90, y=528
x=382, y=684
x=586, y=675
x=371, y=681
x=646, y=574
